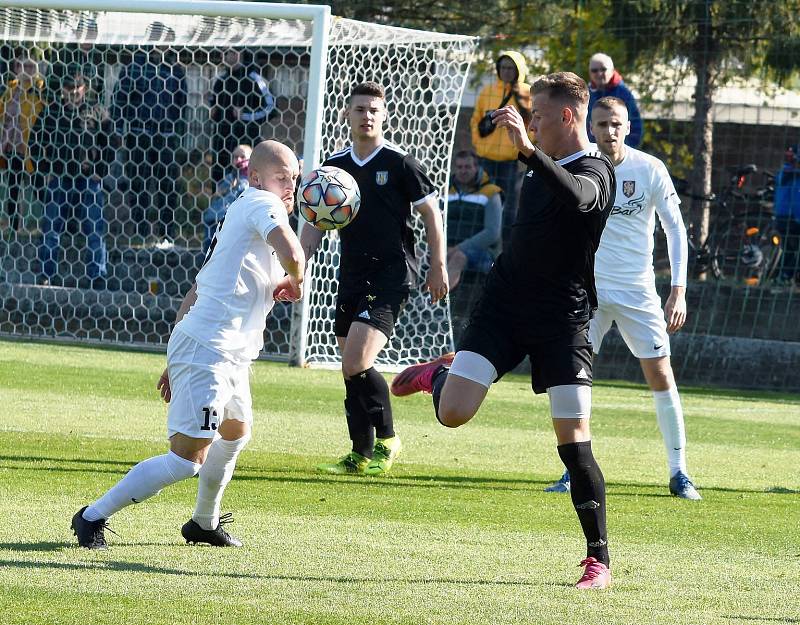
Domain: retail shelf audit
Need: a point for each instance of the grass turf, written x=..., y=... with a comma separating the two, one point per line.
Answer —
x=460, y=532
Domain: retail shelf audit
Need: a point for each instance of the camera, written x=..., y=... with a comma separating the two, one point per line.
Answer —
x=486, y=125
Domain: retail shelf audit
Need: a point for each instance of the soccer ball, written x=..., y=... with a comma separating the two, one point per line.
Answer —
x=328, y=198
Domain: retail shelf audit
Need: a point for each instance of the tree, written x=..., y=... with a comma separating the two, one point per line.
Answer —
x=718, y=40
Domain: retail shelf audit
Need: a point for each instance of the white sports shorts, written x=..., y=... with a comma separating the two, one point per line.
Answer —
x=639, y=318
x=206, y=388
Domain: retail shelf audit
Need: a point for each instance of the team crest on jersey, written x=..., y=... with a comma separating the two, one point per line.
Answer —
x=628, y=187
x=381, y=177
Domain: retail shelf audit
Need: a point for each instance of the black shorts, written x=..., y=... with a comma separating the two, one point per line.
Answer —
x=379, y=309
x=555, y=361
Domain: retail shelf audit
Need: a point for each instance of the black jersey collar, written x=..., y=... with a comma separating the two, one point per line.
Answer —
x=372, y=155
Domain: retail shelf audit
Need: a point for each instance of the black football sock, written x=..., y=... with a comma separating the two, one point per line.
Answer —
x=437, y=384
x=588, y=490
x=358, y=422
x=373, y=392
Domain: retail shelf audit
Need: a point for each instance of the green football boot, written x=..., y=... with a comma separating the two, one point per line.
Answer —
x=383, y=456
x=351, y=464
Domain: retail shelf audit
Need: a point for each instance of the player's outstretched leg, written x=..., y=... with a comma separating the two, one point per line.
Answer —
x=142, y=482
x=90, y=534
x=419, y=378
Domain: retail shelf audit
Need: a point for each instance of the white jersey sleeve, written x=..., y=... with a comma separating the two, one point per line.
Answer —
x=235, y=285
x=624, y=259
x=668, y=209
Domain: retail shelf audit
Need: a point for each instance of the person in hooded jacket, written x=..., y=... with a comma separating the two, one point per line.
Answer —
x=606, y=81
x=497, y=154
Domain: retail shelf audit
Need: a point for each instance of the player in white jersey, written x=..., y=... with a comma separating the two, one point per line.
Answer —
x=625, y=279
x=254, y=259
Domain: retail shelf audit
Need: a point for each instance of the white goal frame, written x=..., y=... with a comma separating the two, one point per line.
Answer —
x=444, y=60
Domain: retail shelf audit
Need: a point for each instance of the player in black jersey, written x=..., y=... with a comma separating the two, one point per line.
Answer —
x=375, y=273
x=539, y=297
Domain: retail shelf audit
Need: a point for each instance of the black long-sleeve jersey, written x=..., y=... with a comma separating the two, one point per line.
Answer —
x=378, y=246
x=544, y=283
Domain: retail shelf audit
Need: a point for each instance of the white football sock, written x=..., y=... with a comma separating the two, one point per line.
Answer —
x=142, y=482
x=670, y=421
x=214, y=476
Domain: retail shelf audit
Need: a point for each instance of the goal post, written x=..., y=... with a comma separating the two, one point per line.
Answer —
x=153, y=215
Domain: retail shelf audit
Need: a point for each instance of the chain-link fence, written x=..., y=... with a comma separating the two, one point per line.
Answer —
x=126, y=135
x=119, y=153
x=710, y=95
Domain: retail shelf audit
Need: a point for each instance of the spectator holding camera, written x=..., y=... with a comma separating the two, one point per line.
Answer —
x=497, y=154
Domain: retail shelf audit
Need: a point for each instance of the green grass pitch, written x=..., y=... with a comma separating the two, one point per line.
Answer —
x=459, y=533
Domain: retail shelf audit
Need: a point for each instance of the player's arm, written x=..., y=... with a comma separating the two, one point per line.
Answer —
x=669, y=214
x=163, y=382
x=310, y=238
x=436, y=284
x=585, y=192
x=291, y=257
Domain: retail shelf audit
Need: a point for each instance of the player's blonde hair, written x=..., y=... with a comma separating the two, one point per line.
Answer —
x=564, y=86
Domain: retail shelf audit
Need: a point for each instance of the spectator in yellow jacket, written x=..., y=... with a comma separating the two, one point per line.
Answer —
x=498, y=156
x=20, y=105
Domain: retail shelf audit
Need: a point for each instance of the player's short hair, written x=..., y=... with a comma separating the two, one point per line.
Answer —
x=564, y=86
x=466, y=154
x=610, y=103
x=369, y=88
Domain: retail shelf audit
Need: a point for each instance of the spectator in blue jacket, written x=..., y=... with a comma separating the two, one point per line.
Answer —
x=787, y=212
x=147, y=109
x=606, y=81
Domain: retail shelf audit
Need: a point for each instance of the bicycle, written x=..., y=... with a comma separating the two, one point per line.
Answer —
x=742, y=245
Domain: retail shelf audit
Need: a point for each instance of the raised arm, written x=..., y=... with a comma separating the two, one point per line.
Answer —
x=291, y=257
x=583, y=192
x=310, y=238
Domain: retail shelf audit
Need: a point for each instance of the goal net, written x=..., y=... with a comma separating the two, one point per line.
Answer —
x=120, y=133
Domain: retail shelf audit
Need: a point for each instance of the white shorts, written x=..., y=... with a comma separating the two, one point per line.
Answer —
x=639, y=318
x=206, y=389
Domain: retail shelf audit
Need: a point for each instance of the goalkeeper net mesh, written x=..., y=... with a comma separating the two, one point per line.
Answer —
x=119, y=132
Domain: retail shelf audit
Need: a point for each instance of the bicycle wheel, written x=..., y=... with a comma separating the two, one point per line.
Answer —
x=722, y=262
x=771, y=248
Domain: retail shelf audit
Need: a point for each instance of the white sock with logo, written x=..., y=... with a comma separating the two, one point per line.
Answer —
x=670, y=421
x=214, y=476
x=142, y=482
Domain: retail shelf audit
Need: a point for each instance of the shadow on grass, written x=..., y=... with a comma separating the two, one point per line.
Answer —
x=457, y=481
x=42, y=546
x=250, y=473
x=116, y=565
